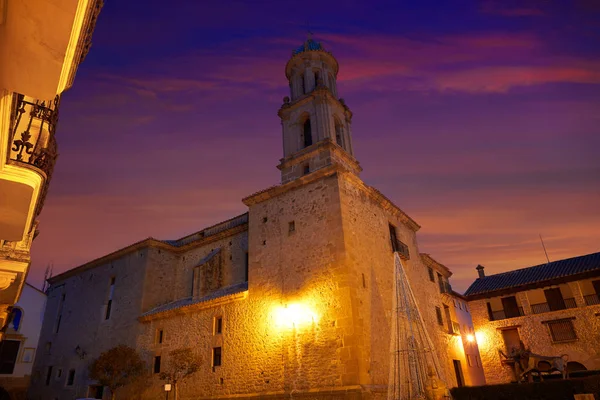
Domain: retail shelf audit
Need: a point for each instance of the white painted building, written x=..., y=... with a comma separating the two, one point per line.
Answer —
x=19, y=345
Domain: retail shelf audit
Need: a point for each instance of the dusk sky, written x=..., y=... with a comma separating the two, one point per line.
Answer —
x=481, y=120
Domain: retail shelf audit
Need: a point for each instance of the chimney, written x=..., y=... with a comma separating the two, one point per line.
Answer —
x=480, y=271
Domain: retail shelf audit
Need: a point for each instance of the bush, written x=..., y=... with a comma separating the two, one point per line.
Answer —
x=548, y=390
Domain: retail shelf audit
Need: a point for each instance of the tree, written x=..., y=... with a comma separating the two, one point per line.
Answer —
x=117, y=367
x=181, y=364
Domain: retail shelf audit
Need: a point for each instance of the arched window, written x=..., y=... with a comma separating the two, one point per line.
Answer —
x=302, y=86
x=339, y=133
x=331, y=83
x=15, y=318
x=307, y=132
x=317, y=77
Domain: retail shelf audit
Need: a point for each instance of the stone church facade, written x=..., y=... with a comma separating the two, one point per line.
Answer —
x=291, y=299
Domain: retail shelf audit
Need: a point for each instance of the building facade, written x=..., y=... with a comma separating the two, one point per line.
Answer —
x=41, y=46
x=553, y=309
x=292, y=298
x=18, y=348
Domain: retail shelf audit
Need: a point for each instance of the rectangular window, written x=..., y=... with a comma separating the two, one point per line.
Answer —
x=431, y=276
x=218, y=325
x=216, y=356
x=440, y=282
x=460, y=381
x=393, y=237
x=48, y=375
x=157, y=365
x=9, y=349
x=555, y=299
x=512, y=340
x=59, y=373
x=562, y=330
x=159, y=336
x=469, y=360
x=71, y=377
x=246, y=266
x=440, y=318
x=111, y=292
x=448, y=319
x=59, y=314
x=511, y=307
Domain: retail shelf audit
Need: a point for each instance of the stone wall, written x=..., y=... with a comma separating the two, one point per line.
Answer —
x=536, y=335
x=366, y=218
x=83, y=323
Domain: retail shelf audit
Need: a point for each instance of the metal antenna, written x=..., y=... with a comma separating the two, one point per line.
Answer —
x=544, y=246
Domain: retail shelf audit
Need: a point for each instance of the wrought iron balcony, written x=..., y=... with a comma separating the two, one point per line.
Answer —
x=401, y=249
x=32, y=137
x=503, y=314
x=545, y=307
x=592, y=299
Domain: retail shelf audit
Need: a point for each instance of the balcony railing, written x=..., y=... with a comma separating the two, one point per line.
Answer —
x=545, y=307
x=455, y=328
x=401, y=249
x=32, y=137
x=592, y=299
x=444, y=286
x=33, y=128
x=502, y=314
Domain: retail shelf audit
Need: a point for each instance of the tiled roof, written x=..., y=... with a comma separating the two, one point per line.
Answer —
x=189, y=301
x=535, y=275
x=212, y=230
x=309, y=45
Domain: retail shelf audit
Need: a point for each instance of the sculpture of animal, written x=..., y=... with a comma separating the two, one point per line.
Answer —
x=534, y=362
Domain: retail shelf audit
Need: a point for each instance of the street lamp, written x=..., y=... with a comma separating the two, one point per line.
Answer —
x=167, y=390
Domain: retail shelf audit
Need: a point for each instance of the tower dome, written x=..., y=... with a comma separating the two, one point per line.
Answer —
x=308, y=45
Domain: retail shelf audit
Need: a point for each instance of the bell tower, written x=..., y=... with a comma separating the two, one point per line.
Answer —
x=316, y=123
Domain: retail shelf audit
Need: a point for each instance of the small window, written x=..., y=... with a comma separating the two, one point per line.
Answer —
x=393, y=237
x=438, y=313
x=48, y=347
x=111, y=291
x=292, y=226
x=216, y=356
x=306, y=170
x=470, y=360
x=59, y=373
x=156, y=365
x=562, y=330
x=431, y=276
x=159, y=336
x=218, y=325
x=246, y=266
x=71, y=377
x=265, y=219
x=48, y=375
x=307, y=133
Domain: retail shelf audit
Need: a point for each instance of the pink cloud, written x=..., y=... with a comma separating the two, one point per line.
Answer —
x=501, y=79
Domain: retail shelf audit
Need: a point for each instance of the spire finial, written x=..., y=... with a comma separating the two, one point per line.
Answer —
x=309, y=34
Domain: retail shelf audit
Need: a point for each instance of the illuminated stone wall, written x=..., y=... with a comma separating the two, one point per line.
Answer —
x=366, y=216
x=536, y=335
x=314, y=319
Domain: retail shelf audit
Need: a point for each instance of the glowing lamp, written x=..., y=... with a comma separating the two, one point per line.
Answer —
x=295, y=316
x=470, y=338
x=481, y=338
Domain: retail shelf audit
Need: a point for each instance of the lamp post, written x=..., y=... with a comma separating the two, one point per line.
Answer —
x=167, y=390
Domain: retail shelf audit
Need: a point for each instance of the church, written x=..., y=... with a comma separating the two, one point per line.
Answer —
x=294, y=298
